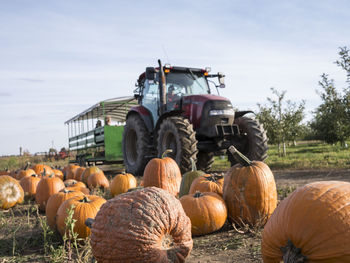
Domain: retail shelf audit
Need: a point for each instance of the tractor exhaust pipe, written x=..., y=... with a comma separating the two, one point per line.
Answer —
x=162, y=88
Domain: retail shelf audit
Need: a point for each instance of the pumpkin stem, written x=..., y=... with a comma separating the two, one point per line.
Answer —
x=166, y=152
x=239, y=157
x=34, y=175
x=194, y=167
x=85, y=200
x=214, y=177
x=197, y=194
x=26, y=166
x=292, y=254
x=89, y=221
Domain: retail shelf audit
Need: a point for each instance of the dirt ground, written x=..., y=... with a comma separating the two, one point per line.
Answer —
x=229, y=245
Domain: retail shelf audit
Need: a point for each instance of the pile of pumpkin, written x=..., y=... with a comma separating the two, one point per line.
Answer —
x=155, y=222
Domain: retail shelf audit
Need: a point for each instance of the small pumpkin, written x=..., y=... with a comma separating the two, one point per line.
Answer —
x=47, y=186
x=163, y=173
x=84, y=189
x=188, y=178
x=208, y=183
x=84, y=207
x=70, y=172
x=147, y=225
x=42, y=168
x=29, y=185
x=311, y=225
x=25, y=172
x=121, y=183
x=73, y=182
x=88, y=171
x=55, y=201
x=207, y=212
x=78, y=173
x=58, y=173
x=98, y=180
x=11, y=192
x=249, y=191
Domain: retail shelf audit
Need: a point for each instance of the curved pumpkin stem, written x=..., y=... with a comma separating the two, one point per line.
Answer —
x=194, y=167
x=197, y=194
x=292, y=254
x=85, y=200
x=166, y=152
x=239, y=157
x=214, y=177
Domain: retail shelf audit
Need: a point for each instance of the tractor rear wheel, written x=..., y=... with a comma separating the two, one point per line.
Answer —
x=135, y=145
x=176, y=133
x=253, y=140
x=205, y=161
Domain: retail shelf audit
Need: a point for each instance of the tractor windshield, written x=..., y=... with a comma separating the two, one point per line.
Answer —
x=187, y=83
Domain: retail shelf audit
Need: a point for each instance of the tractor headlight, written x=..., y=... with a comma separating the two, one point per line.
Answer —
x=221, y=112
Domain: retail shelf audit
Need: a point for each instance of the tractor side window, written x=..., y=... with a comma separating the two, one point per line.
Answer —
x=151, y=98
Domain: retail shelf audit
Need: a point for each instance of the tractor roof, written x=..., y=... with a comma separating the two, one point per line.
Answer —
x=177, y=69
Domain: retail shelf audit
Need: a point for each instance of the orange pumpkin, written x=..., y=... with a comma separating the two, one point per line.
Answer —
x=88, y=171
x=58, y=173
x=70, y=172
x=55, y=201
x=73, y=182
x=40, y=168
x=29, y=185
x=78, y=173
x=147, y=225
x=25, y=172
x=47, y=186
x=11, y=192
x=121, y=183
x=98, y=180
x=207, y=211
x=84, y=207
x=84, y=189
x=313, y=222
x=163, y=173
x=249, y=191
x=207, y=183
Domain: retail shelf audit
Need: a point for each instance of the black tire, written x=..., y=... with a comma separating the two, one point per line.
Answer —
x=205, y=161
x=177, y=133
x=253, y=138
x=136, y=151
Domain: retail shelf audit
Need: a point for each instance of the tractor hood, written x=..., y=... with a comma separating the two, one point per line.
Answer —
x=195, y=107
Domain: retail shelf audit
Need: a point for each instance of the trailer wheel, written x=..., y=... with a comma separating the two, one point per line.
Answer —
x=135, y=145
x=177, y=133
x=253, y=140
x=205, y=161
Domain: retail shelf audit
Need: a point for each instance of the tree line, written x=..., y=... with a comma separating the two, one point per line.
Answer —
x=283, y=119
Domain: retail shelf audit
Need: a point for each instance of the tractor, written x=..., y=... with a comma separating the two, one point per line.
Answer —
x=177, y=110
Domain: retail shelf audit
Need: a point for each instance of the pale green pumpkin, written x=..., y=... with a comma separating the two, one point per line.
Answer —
x=188, y=178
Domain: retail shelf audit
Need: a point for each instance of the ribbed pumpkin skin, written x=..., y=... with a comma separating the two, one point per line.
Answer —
x=70, y=172
x=29, y=185
x=84, y=189
x=82, y=211
x=250, y=193
x=121, y=183
x=147, y=225
x=205, y=183
x=58, y=173
x=46, y=187
x=187, y=180
x=78, y=173
x=54, y=203
x=316, y=218
x=11, y=192
x=163, y=173
x=207, y=212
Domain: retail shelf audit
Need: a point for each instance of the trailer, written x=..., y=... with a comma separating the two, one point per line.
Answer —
x=95, y=135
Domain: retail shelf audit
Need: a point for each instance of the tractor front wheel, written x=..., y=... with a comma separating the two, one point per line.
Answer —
x=176, y=133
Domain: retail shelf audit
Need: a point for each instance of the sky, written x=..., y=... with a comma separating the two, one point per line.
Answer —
x=59, y=57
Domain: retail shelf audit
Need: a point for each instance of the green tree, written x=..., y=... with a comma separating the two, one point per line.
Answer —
x=332, y=118
x=281, y=119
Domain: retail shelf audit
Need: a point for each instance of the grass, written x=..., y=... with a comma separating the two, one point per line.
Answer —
x=305, y=155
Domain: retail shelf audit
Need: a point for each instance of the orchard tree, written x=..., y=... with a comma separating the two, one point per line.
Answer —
x=332, y=118
x=281, y=119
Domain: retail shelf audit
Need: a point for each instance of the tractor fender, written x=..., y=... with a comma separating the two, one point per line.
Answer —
x=242, y=113
x=144, y=114
x=166, y=115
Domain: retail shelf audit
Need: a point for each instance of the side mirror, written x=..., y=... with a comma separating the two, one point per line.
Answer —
x=221, y=78
x=150, y=73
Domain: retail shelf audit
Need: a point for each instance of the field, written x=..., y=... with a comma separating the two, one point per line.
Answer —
x=25, y=236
